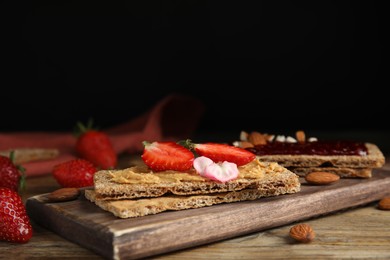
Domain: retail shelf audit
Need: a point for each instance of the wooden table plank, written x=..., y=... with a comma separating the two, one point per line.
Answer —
x=362, y=233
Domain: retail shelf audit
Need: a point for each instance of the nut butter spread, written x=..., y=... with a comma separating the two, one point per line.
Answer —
x=142, y=174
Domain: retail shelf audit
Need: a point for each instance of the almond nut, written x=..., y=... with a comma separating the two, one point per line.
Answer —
x=245, y=144
x=384, y=203
x=300, y=135
x=257, y=138
x=321, y=178
x=302, y=233
x=63, y=194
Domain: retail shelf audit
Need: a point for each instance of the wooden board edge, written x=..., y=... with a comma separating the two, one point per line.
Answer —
x=164, y=238
x=100, y=242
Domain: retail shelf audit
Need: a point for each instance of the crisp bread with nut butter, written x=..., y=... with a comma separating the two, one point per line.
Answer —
x=140, y=181
x=304, y=155
x=128, y=208
x=138, y=191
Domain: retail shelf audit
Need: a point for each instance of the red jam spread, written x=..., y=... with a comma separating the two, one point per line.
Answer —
x=311, y=148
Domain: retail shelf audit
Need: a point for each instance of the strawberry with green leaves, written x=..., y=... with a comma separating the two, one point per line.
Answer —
x=95, y=146
x=11, y=175
x=15, y=224
x=75, y=173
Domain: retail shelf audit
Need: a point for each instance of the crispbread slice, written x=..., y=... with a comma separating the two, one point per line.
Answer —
x=139, y=181
x=24, y=155
x=343, y=172
x=374, y=159
x=129, y=208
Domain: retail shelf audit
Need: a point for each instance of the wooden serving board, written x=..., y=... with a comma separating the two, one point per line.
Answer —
x=84, y=223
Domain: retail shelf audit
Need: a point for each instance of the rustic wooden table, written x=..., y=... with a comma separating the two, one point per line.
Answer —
x=358, y=233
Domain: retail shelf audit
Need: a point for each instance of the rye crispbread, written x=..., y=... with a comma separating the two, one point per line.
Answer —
x=24, y=155
x=374, y=159
x=139, y=181
x=127, y=208
x=346, y=166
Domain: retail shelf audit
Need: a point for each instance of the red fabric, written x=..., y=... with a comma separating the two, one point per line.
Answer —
x=175, y=117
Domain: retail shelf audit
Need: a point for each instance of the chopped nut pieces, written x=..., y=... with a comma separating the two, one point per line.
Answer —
x=244, y=136
x=63, y=194
x=245, y=144
x=256, y=138
x=321, y=178
x=302, y=233
x=301, y=137
x=384, y=203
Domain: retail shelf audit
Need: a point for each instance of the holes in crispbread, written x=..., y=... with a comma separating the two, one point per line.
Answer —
x=326, y=164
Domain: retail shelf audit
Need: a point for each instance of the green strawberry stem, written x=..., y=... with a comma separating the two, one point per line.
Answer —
x=80, y=128
x=187, y=143
x=22, y=183
x=22, y=170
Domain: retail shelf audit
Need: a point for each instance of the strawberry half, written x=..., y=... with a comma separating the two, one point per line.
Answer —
x=161, y=156
x=224, y=152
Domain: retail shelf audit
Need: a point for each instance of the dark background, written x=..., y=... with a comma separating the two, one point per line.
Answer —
x=271, y=66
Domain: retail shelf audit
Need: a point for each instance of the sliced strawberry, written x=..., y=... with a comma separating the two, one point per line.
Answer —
x=161, y=156
x=224, y=152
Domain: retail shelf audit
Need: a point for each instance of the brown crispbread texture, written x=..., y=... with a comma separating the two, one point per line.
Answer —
x=139, y=181
x=343, y=172
x=374, y=159
x=24, y=155
x=128, y=208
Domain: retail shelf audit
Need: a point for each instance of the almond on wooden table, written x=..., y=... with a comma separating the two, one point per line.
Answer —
x=321, y=178
x=302, y=232
x=63, y=194
x=384, y=203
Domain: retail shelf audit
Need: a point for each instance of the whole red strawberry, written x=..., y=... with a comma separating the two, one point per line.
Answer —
x=95, y=146
x=160, y=156
x=75, y=173
x=15, y=224
x=10, y=175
